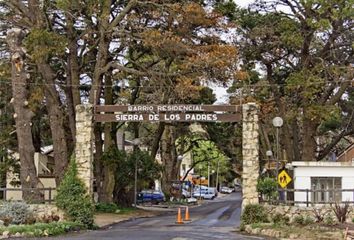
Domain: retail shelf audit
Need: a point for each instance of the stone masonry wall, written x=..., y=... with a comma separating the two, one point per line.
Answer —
x=84, y=144
x=250, y=148
x=293, y=211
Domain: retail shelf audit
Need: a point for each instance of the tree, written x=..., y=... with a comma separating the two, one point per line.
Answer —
x=23, y=114
x=296, y=63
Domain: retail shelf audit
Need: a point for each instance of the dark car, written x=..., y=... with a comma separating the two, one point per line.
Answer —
x=151, y=196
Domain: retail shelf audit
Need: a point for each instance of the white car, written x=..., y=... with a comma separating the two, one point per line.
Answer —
x=204, y=194
x=226, y=190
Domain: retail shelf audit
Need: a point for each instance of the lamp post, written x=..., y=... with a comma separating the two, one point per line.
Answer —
x=136, y=143
x=179, y=159
x=269, y=155
x=277, y=123
x=212, y=172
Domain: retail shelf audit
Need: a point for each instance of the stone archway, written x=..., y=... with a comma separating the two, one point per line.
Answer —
x=250, y=145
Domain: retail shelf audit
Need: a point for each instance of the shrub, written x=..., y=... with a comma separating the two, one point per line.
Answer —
x=341, y=211
x=254, y=213
x=72, y=197
x=317, y=214
x=280, y=218
x=43, y=229
x=106, y=207
x=329, y=220
x=15, y=213
x=268, y=187
x=298, y=219
x=308, y=220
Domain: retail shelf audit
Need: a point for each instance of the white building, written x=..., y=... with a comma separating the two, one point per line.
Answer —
x=44, y=163
x=323, y=176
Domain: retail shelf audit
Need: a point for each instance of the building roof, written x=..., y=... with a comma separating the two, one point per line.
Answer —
x=322, y=164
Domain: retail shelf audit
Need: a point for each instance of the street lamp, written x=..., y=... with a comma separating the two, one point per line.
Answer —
x=277, y=123
x=269, y=155
x=136, y=143
x=212, y=172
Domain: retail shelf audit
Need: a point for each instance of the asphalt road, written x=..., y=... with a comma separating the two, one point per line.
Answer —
x=215, y=219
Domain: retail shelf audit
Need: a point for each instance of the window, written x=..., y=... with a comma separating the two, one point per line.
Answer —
x=325, y=185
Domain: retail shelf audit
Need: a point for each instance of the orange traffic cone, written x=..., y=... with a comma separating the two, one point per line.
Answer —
x=179, y=217
x=186, y=217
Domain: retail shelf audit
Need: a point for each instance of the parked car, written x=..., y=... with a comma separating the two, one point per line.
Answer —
x=151, y=196
x=226, y=190
x=204, y=194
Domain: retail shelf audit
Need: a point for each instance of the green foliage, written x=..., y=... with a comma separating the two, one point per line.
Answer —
x=268, y=187
x=72, y=197
x=308, y=220
x=298, y=219
x=43, y=229
x=280, y=219
x=106, y=207
x=329, y=220
x=42, y=44
x=15, y=213
x=254, y=213
x=227, y=8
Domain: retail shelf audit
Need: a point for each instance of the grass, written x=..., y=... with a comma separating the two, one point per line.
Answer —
x=43, y=229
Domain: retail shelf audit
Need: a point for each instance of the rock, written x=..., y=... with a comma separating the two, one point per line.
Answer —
x=256, y=231
x=248, y=229
x=1, y=223
x=294, y=236
x=5, y=233
x=18, y=234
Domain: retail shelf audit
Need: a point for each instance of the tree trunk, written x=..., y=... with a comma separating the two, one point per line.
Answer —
x=98, y=163
x=309, y=143
x=108, y=169
x=169, y=158
x=23, y=115
x=56, y=120
x=73, y=79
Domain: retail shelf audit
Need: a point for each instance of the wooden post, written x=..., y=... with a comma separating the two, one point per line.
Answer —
x=50, y=195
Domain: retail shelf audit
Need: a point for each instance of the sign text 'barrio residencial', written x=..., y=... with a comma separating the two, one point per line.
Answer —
x=167, y=113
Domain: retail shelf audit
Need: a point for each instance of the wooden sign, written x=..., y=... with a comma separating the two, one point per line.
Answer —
x=168, y=108
x=167, y=113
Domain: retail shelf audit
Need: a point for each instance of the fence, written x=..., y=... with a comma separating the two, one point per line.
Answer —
x=310, y=199
x=46, y=195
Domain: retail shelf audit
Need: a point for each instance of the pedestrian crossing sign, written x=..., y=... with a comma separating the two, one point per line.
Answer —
x=284, y=179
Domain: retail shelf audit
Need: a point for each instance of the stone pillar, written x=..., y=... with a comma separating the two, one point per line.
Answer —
x=250, y=148
x=84, y=144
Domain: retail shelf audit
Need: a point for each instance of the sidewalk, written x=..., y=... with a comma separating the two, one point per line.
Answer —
x=103, y=220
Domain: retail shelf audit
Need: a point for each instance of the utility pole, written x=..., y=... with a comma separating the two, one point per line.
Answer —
x=208, y=174
x=217, y=176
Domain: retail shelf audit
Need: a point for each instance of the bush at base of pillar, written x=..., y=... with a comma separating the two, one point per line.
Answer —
x=73, y=199
x=254, y=213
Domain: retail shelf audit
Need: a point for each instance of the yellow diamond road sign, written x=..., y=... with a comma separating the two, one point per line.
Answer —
x=284, y=179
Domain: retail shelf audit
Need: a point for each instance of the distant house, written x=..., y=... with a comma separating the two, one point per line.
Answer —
x=347, y=155
x=320, y=179
x=44, y=162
